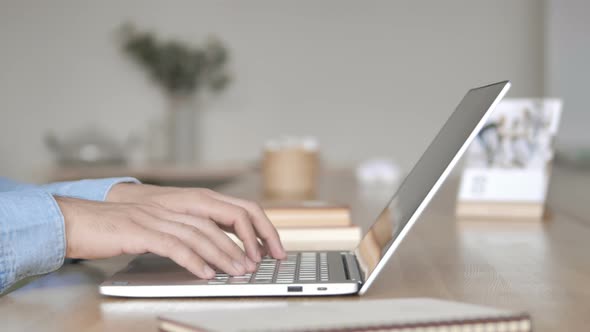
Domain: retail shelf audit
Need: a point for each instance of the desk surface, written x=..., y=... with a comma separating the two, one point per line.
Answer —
x=202, y=174
x=539, y=267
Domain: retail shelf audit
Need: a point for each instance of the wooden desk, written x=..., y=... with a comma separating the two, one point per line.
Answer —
x=204, y=175
x=543, y=268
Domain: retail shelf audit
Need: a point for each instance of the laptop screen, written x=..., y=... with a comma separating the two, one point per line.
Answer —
x=425, y=178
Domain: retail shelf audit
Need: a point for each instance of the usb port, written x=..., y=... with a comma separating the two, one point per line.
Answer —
x=295, y=289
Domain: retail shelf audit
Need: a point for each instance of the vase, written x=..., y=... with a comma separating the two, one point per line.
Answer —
x=183, y=115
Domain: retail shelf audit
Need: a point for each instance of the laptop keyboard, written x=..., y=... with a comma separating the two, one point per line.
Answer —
x=298, y=267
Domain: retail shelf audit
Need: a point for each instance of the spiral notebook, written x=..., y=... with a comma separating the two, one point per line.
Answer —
x=412, y=314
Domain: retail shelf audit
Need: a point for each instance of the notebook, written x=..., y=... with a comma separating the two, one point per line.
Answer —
x=411, y=314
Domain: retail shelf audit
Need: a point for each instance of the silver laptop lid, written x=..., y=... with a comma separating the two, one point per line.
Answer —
x=418, y=188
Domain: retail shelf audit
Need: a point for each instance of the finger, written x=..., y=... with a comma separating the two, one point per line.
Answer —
x=262, y=225
x=214, y=233
x=166, y=245
x=231, y=216
x=199, y=243
x=263, y=249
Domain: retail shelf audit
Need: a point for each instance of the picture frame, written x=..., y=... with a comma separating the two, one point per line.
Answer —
x=507, y=168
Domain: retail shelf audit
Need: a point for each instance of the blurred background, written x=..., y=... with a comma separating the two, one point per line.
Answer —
x=365, y=78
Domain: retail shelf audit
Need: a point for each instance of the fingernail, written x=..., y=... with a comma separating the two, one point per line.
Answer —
x=249, y=264
x=258, y=256
x=263, y=251
x=239, y=267
x=209, y=273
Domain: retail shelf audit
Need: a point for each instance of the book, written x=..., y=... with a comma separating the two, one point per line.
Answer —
x=408, y=315
x=307, y=214
x=507, y=167
x=316, y=238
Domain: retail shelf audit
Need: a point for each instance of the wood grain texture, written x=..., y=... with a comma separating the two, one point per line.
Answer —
x=542, y=268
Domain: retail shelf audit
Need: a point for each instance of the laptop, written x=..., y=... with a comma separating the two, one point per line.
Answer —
x=331, y=272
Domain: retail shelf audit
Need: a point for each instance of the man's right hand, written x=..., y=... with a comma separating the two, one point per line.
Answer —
x=103, y=229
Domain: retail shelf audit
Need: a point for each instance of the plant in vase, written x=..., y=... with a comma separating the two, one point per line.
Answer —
x=183, y=71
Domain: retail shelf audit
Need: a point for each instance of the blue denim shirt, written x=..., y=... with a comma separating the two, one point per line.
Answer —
x=32, y=236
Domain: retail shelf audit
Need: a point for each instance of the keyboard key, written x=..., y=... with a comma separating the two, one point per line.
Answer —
x=238, y=280
x=217, y=282
x=304, y=267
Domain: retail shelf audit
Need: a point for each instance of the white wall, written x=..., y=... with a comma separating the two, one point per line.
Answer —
x=567, y=66
x=367, y=77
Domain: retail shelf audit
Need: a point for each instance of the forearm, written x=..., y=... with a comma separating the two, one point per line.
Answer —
x=32, y=236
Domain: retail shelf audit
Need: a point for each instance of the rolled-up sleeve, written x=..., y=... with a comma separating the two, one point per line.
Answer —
x=11, y=185
x=32, y=236
x=91, y=189
x=95, y=190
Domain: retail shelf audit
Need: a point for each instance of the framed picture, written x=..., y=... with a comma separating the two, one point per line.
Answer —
x=507, y=167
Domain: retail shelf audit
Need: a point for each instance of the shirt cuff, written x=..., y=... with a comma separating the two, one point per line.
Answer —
x=95, y=190
x=32, y=236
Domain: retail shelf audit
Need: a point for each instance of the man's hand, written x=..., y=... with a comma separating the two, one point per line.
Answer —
x=101, y=230
x=244, y=218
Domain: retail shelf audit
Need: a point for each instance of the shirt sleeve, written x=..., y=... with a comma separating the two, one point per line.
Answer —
x=11, y=185
x=95, y=190
x=32, y=237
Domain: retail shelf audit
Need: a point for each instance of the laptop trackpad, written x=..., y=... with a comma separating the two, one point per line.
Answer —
x=151, y=269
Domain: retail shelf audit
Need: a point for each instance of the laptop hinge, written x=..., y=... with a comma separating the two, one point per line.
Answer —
x=351, y=267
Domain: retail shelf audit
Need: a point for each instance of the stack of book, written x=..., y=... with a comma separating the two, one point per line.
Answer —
x=313, y=226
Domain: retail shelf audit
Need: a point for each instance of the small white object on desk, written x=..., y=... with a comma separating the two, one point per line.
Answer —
x=378, y=171
x=378, y=179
